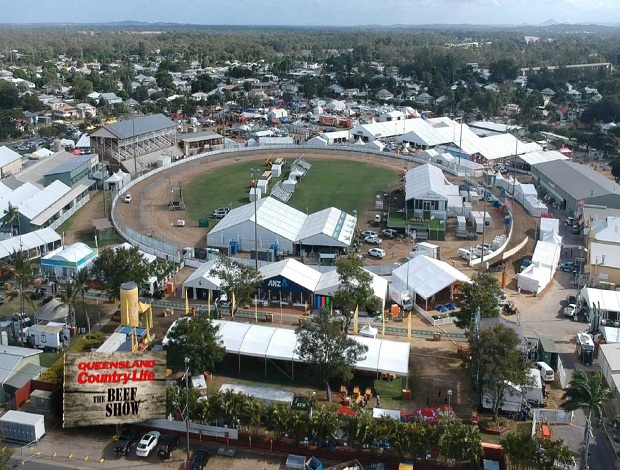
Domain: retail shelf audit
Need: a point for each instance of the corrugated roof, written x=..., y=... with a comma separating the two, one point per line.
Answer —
x=40, y=201
x=565, y=173
x=73, y=163
x=19, y=195
x=137, y=126
x=542, y=156
x=58, y=204
x=198, y=136
x=8, y=156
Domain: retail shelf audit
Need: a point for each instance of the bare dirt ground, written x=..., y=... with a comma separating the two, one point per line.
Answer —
x=148, y=213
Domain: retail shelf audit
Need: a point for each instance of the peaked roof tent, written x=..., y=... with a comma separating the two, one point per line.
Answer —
x=425, y=179
x=28, y=241
x=427, y=276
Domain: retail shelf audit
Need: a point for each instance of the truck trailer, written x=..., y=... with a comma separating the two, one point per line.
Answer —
x=23, y=427
x=54, y=336
x=517, y=396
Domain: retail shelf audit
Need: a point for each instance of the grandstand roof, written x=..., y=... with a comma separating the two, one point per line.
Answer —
x=137, y=126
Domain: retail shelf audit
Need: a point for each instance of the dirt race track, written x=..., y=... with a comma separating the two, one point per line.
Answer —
x=148, y=213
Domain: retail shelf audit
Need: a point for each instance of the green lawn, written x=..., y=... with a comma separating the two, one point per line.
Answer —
x=343, y=184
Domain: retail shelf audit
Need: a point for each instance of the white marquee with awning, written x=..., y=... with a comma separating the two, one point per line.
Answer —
x=426, y=276
x=279, y=344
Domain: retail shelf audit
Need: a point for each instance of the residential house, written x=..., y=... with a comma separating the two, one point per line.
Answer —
x=111, y=99
x=425, y=99
x=384, y=94
x=85, y=110
x=547, y=94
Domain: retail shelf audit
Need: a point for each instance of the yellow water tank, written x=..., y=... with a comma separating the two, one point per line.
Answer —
x=129, y=304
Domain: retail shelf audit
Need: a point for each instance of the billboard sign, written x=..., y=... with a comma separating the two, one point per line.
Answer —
x=113, y=388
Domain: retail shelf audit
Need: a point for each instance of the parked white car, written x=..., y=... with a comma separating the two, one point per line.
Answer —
x=376, y=253
x=147, y=443
x=373, y=240
x=369, y=233
x=128, y=197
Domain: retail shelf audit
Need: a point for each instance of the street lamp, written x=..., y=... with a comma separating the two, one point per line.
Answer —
x=255, y=172
x=449, y=396
x=187, y=404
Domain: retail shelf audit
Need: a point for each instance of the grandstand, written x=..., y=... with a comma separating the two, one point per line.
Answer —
x=143, y=138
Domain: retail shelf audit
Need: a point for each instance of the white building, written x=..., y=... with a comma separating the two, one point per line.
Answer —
x=280, y=225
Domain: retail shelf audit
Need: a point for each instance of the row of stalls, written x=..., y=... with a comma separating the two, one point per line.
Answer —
x=525, y=194
x=535, y=277
x=287, y=282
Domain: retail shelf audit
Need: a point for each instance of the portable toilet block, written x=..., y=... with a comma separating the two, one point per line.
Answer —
x=262, y=185
x=276, y=171
x=255, y=194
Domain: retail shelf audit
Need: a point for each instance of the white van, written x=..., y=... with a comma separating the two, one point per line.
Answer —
x=546, y=372
x=465, y=254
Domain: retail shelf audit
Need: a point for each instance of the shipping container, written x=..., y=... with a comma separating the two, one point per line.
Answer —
x=23, y=427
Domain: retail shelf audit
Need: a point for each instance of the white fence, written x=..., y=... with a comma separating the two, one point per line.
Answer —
x=162, y=249
x=65, y=216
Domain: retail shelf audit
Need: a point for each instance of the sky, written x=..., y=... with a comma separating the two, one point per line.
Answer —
x=312, y=12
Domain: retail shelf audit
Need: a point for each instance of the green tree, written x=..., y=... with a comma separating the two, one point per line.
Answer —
x=70, y=297
x=494, y=361
x=325, y=424
x=521, y=449
x=114, y=267
x=196, y=338
x=9, y=95
x=165, y=80
x=81, y=281
x=587, y=393
x=279, y=416
x=81, y=88
x=503, y=70
x=327, y=350
x=20, y=268
x=355, y=290
x=460, y=442
x=239, y=278
x=481, y=293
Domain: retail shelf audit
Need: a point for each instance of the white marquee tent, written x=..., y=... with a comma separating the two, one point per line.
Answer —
x=544, y=264
x=426, y=276
x=270, y=343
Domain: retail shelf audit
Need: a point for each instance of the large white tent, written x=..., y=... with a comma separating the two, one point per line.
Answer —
x=426, y=276
x=39, y=242
x=606, y=300
x=544, y=264
x=383, y=356
x=69, y=261
x=280, y=224
x=426, y=182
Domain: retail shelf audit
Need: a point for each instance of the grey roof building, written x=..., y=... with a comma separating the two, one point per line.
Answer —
x=17, y=367
x=569, y=182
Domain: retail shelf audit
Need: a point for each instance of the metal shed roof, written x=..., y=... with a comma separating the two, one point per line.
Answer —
x=137, y=126
x=565, y=173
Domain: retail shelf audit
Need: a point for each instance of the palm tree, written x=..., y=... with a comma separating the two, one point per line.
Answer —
x=586, y=393
x=11, y=215
x=20, y=268
x=69, y=298
x=80, y=281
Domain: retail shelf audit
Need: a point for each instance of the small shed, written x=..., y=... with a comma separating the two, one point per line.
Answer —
x=42, y=400
x=104, y=230
x=548, y=351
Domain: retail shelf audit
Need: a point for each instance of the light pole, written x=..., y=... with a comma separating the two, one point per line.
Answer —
x=173, y=254
x=255, y=172
x=449, y=396
x=187, y=405
x=135, y=142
